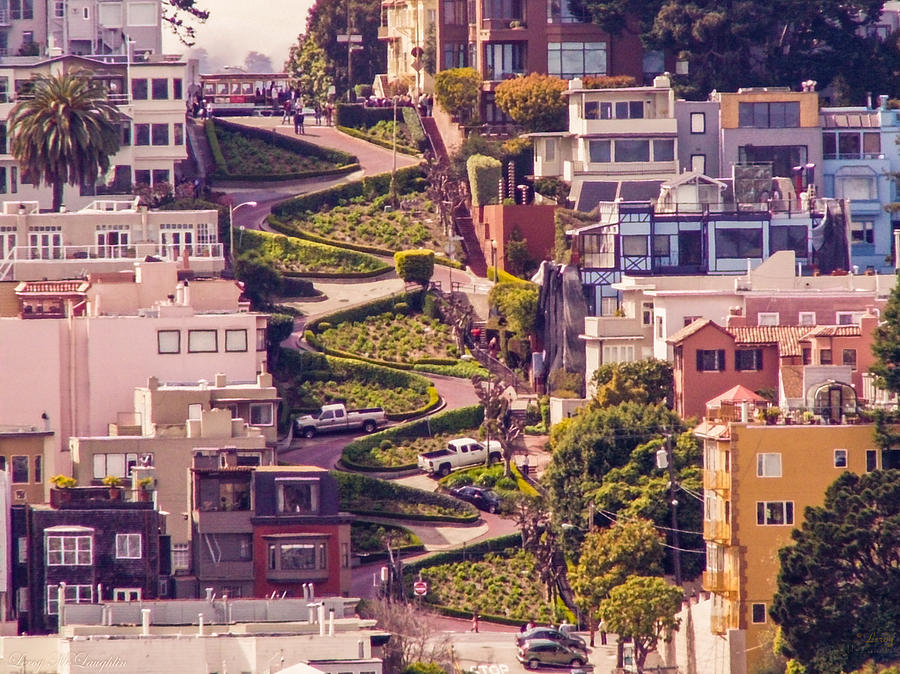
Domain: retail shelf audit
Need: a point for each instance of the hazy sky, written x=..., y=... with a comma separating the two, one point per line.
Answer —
x=236, y=27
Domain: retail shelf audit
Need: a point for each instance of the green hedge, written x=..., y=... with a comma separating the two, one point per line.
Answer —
x=443, y=422
x=358, y=313
x=362, y=135
x=281, y=249
x=352, y=486
x=414, y=124
x=290, y=143
x=415, y=265
x=503, y=276
x=484, y=177
x=216, y=149
x=476, y=551
x=433, y=401
x=409, y=179
x=358, y=115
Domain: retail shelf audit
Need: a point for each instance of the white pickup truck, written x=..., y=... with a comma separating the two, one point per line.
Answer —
x=336, y=417
x=459, y=453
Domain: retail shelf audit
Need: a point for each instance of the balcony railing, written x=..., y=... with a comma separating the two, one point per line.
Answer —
x=717, y=480
x=171, y=252
x=717, y=530
x=719, y=582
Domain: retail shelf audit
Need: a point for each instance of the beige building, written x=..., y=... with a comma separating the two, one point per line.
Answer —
x=104, y=236
x=169, y=422
x=758, y=480
x=26, y=454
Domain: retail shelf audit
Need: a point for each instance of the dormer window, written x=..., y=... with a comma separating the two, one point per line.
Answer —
x=297, y=495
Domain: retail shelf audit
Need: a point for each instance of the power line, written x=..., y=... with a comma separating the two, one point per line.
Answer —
x=611, y=516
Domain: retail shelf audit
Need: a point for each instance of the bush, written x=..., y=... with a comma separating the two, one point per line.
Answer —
x=323, y=326
x=506, y=484
x=357, y=115
x=459, y=479
x=561, y=382
x=457, y=90
x=401, y=308
x=297, y=287
x=486, y=480
x=484, y=177
x=608, y=81
x=535, y=101
x=415, y=266
x=361, y=494
x=363, y=90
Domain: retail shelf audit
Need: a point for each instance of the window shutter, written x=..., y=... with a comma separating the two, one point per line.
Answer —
x=699, y=360
x=721, y=360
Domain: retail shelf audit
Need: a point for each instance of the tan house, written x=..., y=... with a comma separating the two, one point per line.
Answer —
x=26, y=454
x=758, y=480
x=169, y=422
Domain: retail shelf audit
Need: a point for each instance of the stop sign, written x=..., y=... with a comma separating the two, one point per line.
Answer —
x=420, y=587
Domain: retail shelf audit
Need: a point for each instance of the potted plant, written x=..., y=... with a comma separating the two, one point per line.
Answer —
x=115, y=487
x=62, y=492
x=63, y=481
x=145, y=486
x=769, y=415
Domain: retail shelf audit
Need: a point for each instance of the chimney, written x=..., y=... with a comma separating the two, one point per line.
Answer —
x=221, y=380
x=883, y=102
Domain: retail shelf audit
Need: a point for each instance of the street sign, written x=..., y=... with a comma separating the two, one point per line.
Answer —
x=420, y=587
x=353, y=37
x=416, y=65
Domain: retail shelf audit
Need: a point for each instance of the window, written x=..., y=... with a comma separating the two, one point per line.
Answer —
x=663, y=150
x=19, y=469
x=345, y=555
x=629, y=110
x=22, y=545
x=59, y=9
x=235, y=340
x=848, y=357
x=647, y=313
x=758, y=612
x=455, y=55
x=632, y=150
x=748, y=359
x=576, y=59
x=825, y=357
x=634, y=245
x=849, y=317
x=74, y=594
x=86, y=13
x=168, y=341
x=710, y=360
x=807, y=318
x=840, y=458
x=261, y=414
x=38, y=469
x=139, y=89
x=297, y=496
x=127, y=594
x=160, y=134
x=871, y=460
x=559, y=11
x=768, y=318
x=698, y=122
x=598, y=251
x=203, y=341
x=793, y=237
x=110, y=14
x=622, y=353
x=768, y=464
x=159, y=88
x=118, y=465
x=128, y=546
x=504, y=59
x=142, y=137
x=862, y=231
x=297, y=555
x=698, y=163
x=162, y=176
x=69, y=550
x=774, y=513
x=738, y=243
x=549, y=149
x=181, y=556
x=599, y=151
x=142, y=14
x=141, y=176
x=260, y=339
x=769, y=115
x=597, y=110
x=687, y=320
x=178, y=133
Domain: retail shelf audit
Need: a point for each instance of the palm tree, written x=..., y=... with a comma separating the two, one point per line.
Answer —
x=63, y=130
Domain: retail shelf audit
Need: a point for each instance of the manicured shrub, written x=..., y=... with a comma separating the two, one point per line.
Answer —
x=484, y=176
x=486, y=480
x=401, y=308
x=323, y=326
x=415, y=266
x=506, y=484
x=297, y=287
x=460, y=479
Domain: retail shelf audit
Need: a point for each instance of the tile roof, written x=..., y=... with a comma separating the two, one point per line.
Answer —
x=787, y=337
x=52, y=287
x=833, y=331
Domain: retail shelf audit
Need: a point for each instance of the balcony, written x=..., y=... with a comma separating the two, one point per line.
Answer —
x=716, y=480
x=719, y=582
x=94, y=498
x=717, y=530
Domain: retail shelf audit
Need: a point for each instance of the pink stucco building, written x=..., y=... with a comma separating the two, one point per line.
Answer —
x=74, y=351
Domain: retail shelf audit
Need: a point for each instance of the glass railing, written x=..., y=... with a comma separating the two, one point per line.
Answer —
x=115, y=252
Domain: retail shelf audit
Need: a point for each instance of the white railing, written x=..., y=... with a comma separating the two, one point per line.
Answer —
x=98, y=253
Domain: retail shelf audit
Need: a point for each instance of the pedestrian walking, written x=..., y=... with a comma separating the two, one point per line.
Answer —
x=317, y=110
x=285, y=111
x=475, y=622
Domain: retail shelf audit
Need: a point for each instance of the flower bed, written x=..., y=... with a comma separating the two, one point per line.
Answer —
x=364, y=495
x=297, y=257
x=499, y=585
x=393, y=337
x=367, y=538
x=364, y=221
x=251, y=156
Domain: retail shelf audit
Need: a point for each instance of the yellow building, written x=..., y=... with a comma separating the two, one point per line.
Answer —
x=26, y=453
x=758, y=481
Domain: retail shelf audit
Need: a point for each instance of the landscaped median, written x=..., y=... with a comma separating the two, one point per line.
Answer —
x=395, y=449
x=310, y=380
x=368, y=496
x=399, y=331
x=250, y=154
x=495, y=579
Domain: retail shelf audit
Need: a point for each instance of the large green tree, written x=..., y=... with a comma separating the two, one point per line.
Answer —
x=457, y=90
x=734, y=43
x=64, y=131
x=651, y=375
x=307, y=65
x=609, y=557
x=536, y=102
x=886, y=344
x=643, y=608
x=836, y=600
x=327, y=19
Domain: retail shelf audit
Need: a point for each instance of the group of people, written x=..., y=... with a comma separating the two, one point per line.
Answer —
x=293, y=110
x=424, y=103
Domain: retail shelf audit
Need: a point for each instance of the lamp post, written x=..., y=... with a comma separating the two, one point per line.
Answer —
x=494, y=258
x=231, y=209
x=664, y=460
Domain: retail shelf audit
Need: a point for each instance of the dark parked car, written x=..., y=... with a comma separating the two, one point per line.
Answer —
x=481, y=498
x=552, y=634
x=536, y=652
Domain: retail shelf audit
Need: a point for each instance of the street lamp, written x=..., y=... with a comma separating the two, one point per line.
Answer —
x=231, y=209
x=494, y=258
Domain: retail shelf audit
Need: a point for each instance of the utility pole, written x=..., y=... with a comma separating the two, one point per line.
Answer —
x=673, y=501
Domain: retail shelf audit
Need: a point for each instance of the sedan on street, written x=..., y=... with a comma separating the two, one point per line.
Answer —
x=481, y=498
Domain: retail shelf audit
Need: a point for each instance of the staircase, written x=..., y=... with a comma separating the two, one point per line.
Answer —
x=466, y=229
x=434, y=137
x=198, y=148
